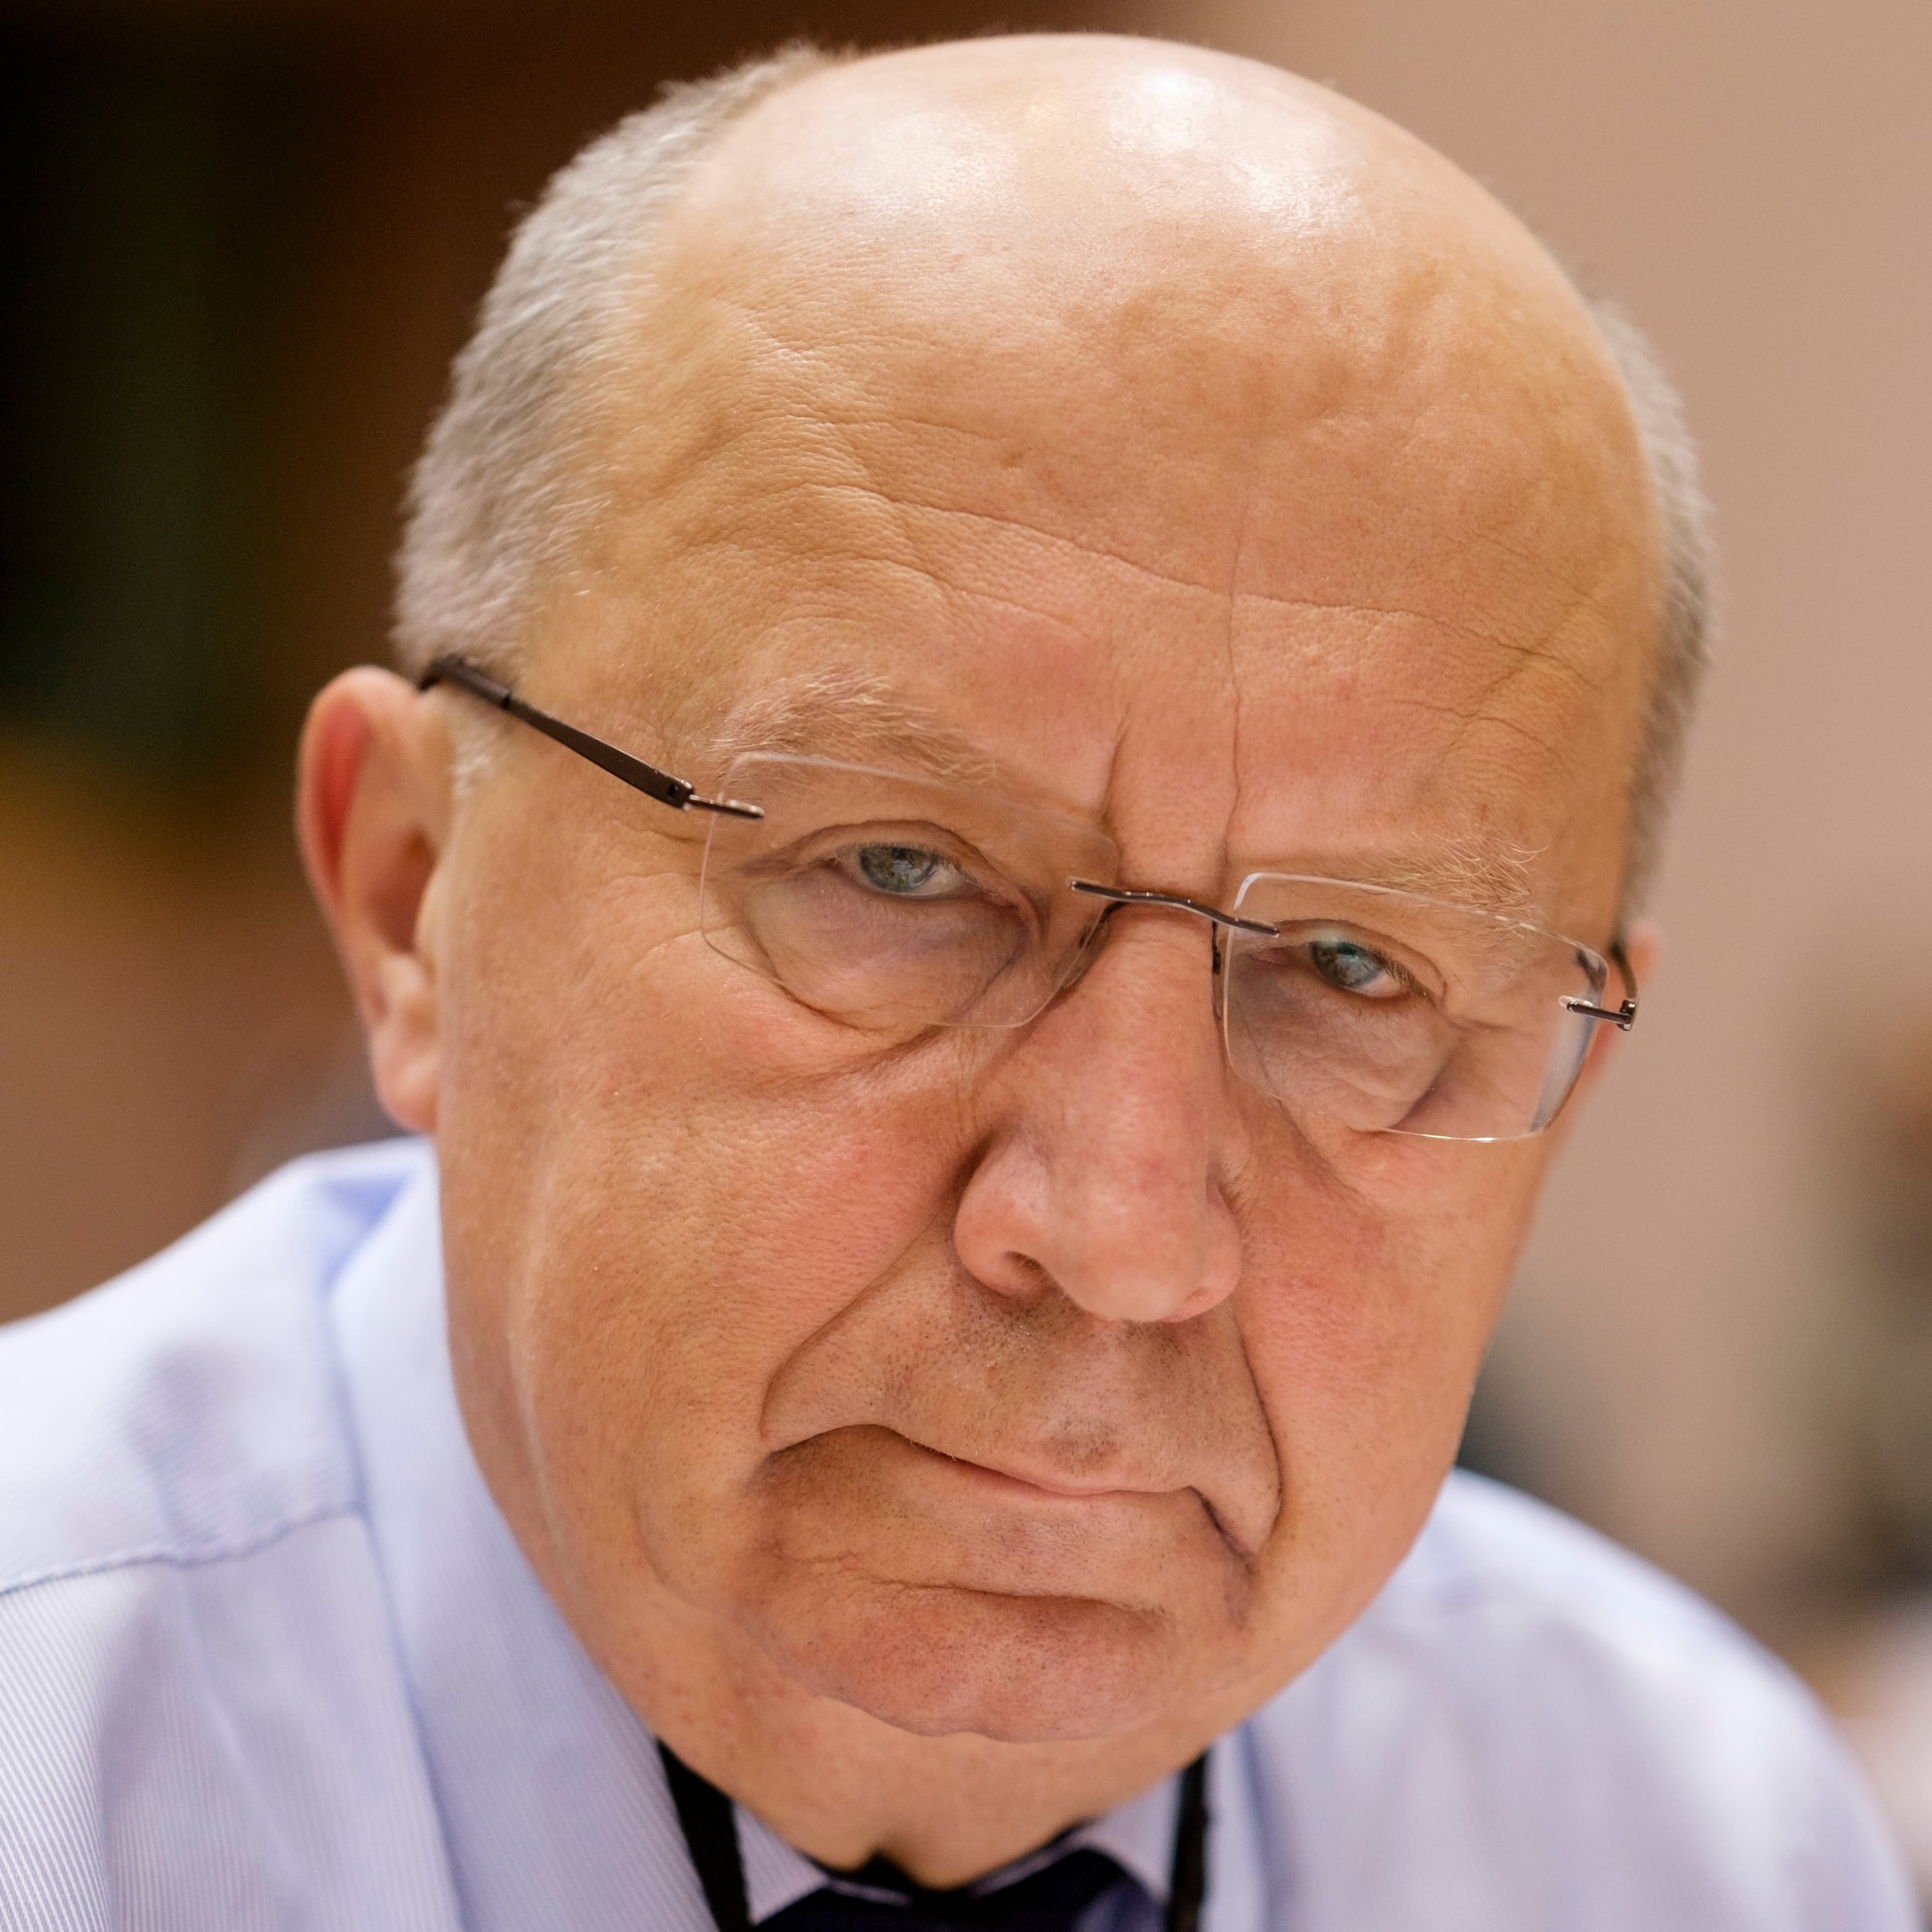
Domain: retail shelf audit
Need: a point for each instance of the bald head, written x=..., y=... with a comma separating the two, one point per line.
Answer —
x=1145, y=273
x=1103, y=175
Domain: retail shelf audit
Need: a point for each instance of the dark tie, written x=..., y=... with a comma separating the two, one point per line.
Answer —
x=1050, y=1899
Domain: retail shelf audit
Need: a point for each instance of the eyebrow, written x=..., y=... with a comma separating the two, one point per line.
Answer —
x=854, y=717
x=1463, y=872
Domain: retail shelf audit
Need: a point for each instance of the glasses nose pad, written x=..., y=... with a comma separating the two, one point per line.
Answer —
x=1086, y=950
x=1242, y=1052
x=1215, y=944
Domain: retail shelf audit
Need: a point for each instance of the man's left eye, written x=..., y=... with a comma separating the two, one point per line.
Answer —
x=1354, y=969
x=908, y=871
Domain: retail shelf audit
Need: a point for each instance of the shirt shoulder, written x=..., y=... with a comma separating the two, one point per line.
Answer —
x=188, y=1411
x=195, y=1647
x=1557, y=1734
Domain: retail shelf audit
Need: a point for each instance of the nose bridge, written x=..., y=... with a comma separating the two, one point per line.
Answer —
x=1126, y=986
x=1138, y=1018
x=1119, y=899
x=1105, y=1172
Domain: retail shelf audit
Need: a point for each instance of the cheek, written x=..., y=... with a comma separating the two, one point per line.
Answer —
x=1367, y=1301
x=702, y=1184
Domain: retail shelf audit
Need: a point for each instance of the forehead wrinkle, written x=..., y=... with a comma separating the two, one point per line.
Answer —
x=1542, y=657
x=926, y=572
x=1468, y=719
x=1522, y=652
x=905, y=508
x=903, y=504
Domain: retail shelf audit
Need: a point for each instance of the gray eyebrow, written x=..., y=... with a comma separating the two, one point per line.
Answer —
x=857, y=717
x=1463, y=872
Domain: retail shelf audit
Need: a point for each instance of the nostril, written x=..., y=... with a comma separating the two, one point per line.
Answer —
x=1024, y=1279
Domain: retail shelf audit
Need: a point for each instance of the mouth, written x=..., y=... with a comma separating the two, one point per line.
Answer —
x=1025, y=1480
x=1019, y=1481
x=867, y=1500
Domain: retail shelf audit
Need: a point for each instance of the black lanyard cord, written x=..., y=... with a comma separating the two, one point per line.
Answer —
x=710, y=1830
x=711, y=1837
x=1187, y=1882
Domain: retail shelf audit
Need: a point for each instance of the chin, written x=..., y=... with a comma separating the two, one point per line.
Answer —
x=938, y=1661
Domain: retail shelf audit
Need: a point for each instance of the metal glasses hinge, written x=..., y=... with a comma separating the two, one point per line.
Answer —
x=1622, y=1018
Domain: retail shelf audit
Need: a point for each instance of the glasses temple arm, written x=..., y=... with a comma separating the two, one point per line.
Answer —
x=674, y=792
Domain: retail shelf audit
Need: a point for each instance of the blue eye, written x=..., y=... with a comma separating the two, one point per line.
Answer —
x=1353, y=969
x=906, y=872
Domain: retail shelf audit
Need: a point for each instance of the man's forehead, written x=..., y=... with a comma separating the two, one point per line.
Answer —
x=947, y=283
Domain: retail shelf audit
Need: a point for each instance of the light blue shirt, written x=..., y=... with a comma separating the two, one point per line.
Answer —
x=269, y=1658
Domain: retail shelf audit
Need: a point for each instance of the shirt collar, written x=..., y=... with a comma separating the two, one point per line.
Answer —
x=1138, y=1836
x=552, y=1794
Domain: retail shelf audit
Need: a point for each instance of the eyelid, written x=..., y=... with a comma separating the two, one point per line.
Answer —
x=826, y=841
x=1397, y=970
x=997, y=885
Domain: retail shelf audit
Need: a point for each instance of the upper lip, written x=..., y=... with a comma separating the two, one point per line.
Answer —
x=1060, y=1483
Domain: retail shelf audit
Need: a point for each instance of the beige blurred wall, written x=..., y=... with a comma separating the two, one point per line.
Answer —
x=1753, y=180
x=171, y=1022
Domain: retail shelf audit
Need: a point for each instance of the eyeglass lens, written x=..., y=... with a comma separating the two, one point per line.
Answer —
x=892, y=905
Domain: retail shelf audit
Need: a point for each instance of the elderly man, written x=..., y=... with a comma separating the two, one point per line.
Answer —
x=1042, y=675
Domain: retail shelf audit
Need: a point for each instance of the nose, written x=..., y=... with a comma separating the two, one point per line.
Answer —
x=1103, y=1173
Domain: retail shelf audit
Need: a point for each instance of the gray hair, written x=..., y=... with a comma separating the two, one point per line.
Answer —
x=504, y=489
x=1684, y=620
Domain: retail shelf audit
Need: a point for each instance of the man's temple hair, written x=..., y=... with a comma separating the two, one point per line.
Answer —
x=504, y=487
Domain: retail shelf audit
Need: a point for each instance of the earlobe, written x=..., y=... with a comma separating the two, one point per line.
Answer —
x=373, y=818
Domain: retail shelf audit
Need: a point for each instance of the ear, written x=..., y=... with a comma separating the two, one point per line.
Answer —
x=372, y=814
x=1643, y=947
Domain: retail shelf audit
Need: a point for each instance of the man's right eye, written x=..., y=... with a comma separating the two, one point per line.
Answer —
x=908, y=871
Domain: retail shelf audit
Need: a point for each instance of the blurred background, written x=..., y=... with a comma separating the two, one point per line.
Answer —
x=242, y=241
